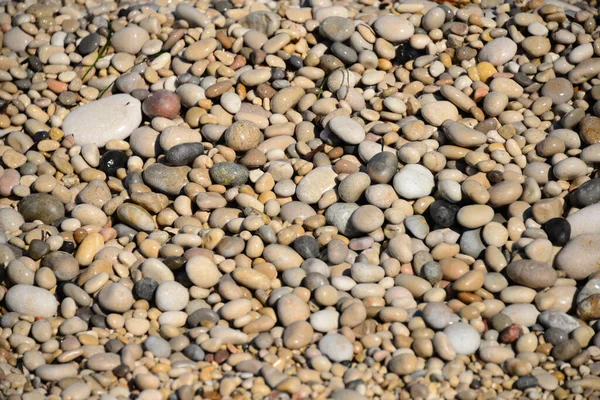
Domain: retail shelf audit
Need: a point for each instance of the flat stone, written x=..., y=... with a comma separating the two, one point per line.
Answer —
x=110, y=118
x=166, y=179
x=579, y=258
x=31, y=300
x=41, y=206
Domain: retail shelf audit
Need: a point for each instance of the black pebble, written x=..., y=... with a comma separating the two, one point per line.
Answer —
x=525, y=382
x=405, y=52
x=174, y=262
x=307, y=246
x=144, y=288
x=184, y=153
x=111, y=161
x=35, y=64
x=68, y=246
x=443, y=213
x=295, y=63
x=558, y=231
x=89, y=43
x=41, y=135
x=588, y=193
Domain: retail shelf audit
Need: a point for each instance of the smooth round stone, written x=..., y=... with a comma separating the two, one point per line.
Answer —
x=586, y=220
x=336, y=347
x=158, y=346
x=297, y=335
x=166, y=179
x=63, y=265
x=202, y=272
x=286, y=99
x=324, y=320
x=494, y=103
x=336, y=29
x=194, y=352
x=231, y=102
x=111, y=161
x=31, y=300
x=475, y=216
x=394, y=29
x=435, y=113
x=438, y=315
x=136, y=217
x=555, y=336
x=382, y=167
x=291, y=308
x=115, y=297
x=532, y=274
x=432, y=272
x=558, y=319
x=41, y=206
x=115, y=117
x=10, y=220
x=144, y=142
x=444, y=213
x=339, y=215
x=463, y=136
x=367, y=218
x=184, y=153
x=16, y=39
x=89, y=43
x=589, y=128
x=464, y=338
x=499, y=51
x=403, y=364
x=296, y=209
x=414, y=181
x=56, y=372
x=162, y=103
x=171, y=296
x=229, y=174
x=307, y=246
x=559, y=230
x=566, y=350
x=130, y=39
x=144, y=288
x=315, y=183
x=560, y=90
x=586, y=250
x=243, y=136
x=347, y=129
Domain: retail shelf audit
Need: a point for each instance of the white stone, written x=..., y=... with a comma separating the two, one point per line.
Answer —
x=414, y=181
x=347, y=129
x=498, y=51
x=336, y=347
x=31, y=300
x=586, y=220
x=393, y=28
x=325, y=320
x=100, y=121
x=463, y=337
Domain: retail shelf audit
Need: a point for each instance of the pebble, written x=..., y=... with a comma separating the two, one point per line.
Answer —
x=116, y=118
x=31, y=300
x=413, y=181
x=336, y=347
